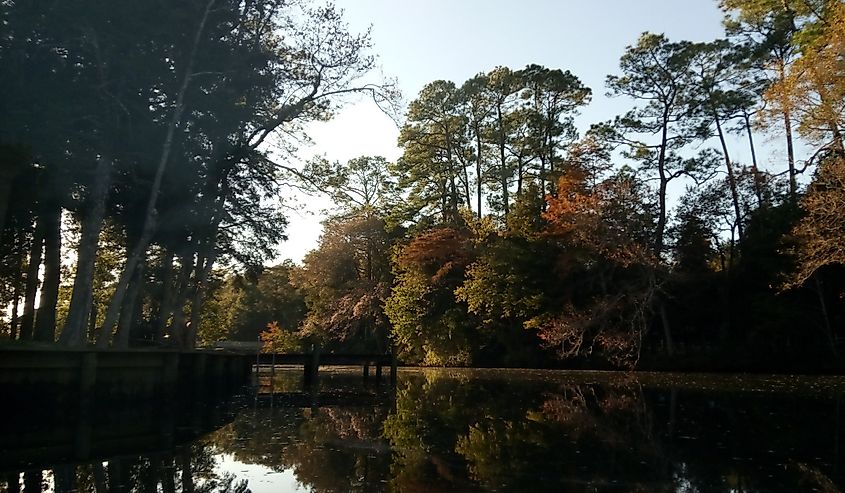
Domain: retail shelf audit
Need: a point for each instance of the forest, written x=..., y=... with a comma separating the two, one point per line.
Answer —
x=146, y=151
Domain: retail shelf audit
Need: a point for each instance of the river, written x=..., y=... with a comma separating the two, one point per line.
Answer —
x=460, y=430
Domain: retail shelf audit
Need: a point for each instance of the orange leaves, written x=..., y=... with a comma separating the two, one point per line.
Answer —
x=436, y=253
x=574, y=212
x=606, y=221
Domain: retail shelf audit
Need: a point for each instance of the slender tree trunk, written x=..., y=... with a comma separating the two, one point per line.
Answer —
x=45, y=323
x=187, y=475
x=15, y=321
x=93, y=313
x=478, y=162
x=73, y=332
x=165, y=307
x=105, y=335
x=467, y=193
x=99, y=478
x=758, y=187
x=790, y=155
x=787, y=126
x=453, y=191
x=661, y=193
x=117, y=478
x=150, y=215
x=667, y=330
x=168, y=482
x=33, y=481
x=129, y=311
x=32, y=282
x=64, y=479
x=177, y=326
x=543, y=181
x=731, y=176
x=503, y=165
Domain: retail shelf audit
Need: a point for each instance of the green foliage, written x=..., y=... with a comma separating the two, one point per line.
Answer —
x=240, y=307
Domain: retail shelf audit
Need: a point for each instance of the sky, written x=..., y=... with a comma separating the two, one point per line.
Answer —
x=426, y=40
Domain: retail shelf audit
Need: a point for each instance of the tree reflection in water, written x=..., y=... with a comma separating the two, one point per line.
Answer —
x=507, y=431
x=192, y=469
x=539, y=431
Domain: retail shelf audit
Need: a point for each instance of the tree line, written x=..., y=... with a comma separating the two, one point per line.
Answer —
x=501, y=236
x=145, y=142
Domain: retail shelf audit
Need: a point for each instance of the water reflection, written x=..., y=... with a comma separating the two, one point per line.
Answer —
x=495, y=431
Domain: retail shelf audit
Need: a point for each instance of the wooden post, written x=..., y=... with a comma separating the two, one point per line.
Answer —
x=312, y=366
x=378, y=372
x=366, y=371
x=258, y=357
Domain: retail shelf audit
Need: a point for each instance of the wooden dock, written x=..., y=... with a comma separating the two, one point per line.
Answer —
x=311, y=363
x=129, y=374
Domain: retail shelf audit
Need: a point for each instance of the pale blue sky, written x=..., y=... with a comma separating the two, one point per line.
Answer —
x=426, y=40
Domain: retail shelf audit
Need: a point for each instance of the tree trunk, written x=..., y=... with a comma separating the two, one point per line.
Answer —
x=64, y=478
x=73, y=332
x=503, y=162
x=187, y=475
x=201, y=275
x=117, y=476
x=33, y=481
x=543, y=182
x=787, y=126
x=32, y=281
x=168, y=482
x=661, y=198
x=790, y=154
x=99, y=477
x=45, y=323
x=93, y=313
x=177, y=326
x=165, y=307
x=758, y=186
x=15, y=321
x=731, y=177
x=105, y=334
x=129, y=312
x=478, y=162
x=150, y=215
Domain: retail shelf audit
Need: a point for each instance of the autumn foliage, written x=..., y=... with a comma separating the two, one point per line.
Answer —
x=275, y=339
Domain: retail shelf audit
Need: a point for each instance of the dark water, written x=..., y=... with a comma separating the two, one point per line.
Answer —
x=460, y=430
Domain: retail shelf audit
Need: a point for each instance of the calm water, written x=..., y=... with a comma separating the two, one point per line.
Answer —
x=460, y=430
